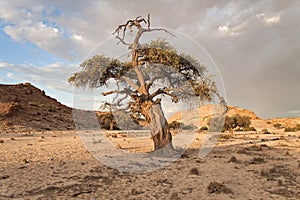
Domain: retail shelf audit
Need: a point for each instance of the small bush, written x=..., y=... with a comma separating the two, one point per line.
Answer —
x=233, y=159
x=217, y=188
x=265, y=131
x=277, y=125
x=297, y=128
x=289, y=129
x=226, y=136
x=114, y=135
x=251, y=128
x=188, y=127
x=239, y=129
x=203, y=128
x=175, y=125
x=194, y=171
x=1, y=141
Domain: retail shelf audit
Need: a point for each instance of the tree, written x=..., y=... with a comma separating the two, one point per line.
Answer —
x=236, y=121
x=155, y=69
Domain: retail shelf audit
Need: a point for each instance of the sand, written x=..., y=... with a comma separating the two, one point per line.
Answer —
x=57, y=165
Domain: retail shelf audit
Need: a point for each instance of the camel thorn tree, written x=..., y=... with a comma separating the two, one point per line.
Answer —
x=155, y=69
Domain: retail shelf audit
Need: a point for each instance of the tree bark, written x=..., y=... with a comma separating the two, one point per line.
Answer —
x=160, y=131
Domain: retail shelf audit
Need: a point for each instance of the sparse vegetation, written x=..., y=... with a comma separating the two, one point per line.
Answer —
x=292, y=129
x=188, y=127
x=265, y=131
x=233, y=159
x=217, y=188
x=203, y=128
x=277, y=125
x=175, y=125
x=251, y=128
x=194, y=171
x=236, y=122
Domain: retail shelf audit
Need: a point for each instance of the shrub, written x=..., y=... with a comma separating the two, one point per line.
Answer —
x=188, y=127
x=249, y=129
x=236, y=121
x=289, y=129
x=277, y=125
x=297, y=128
x=203, y=128
x=265, y=131
x=239, y=129
x=175, y=125
x=194, y=171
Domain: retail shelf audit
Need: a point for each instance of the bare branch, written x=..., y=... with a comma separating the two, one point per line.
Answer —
x=151, y=81
x=124, y=91
x=131, y=83
x=166, y=92
x=148, y=21
x=122, y=41
x=159, y=29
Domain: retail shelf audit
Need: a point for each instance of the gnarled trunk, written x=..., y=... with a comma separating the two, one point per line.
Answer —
x=160, y=132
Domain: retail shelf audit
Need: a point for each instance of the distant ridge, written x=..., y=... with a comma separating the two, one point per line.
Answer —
x=24, y=107
x=202, y=115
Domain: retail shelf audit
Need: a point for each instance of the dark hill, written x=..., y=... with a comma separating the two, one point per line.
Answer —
x=25, y=107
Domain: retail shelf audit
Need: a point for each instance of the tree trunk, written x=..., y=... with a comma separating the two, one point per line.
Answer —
x=160, y=131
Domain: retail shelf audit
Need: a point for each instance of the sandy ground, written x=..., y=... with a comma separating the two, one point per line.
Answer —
x=56, y=165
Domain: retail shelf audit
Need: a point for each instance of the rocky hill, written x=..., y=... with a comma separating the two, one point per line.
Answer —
x=25, y=107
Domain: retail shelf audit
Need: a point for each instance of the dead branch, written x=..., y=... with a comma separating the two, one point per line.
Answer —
x=137, y=22
x=125, y=91
x=130, y=82
x=165, y=91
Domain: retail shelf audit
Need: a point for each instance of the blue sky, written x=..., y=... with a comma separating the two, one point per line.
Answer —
x=255, y=44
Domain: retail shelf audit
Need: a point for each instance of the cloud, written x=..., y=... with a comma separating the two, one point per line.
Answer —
x=53, y=76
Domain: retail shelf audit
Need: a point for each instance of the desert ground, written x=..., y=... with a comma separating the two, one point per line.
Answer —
x=57, y=165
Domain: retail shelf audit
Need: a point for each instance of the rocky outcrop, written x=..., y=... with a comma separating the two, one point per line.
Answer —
x=25, y=107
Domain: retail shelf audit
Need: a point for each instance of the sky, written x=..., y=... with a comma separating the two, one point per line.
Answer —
x=254, y=44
